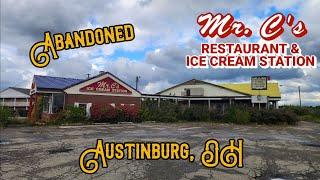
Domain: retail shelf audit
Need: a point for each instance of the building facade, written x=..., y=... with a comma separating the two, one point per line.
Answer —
x=220, y=96
x=55, y=94
x=50, y=95
x=16, y=99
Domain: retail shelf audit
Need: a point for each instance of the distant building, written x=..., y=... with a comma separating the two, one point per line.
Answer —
x=16, y=99
x=220, y=96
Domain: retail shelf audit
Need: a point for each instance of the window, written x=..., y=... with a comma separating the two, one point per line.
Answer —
x=58, y=99
x=187, y=92
x=46, y=104
x=85, y=106
x=21, y=100
x=8, y=99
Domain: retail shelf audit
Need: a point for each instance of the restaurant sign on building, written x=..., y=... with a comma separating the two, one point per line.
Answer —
x=106, y=85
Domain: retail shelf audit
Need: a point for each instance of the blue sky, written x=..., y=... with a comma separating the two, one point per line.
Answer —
x=165, y=31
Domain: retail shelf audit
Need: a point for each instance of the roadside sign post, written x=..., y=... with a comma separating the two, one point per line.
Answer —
x=259, y=83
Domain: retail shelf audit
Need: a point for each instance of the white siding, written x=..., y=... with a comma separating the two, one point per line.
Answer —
x=209, y=90
x=11, y=93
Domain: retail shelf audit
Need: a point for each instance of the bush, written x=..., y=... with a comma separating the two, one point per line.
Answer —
x=300, y=111
x=310, y=117
x=167, y=112
x=70, y=115
x=171, y=112
x=102, y=114
x=274, y=116
x=216, y=115
x=37, y=110
x=110, y=114
x=22, y=112
x=128, y=114
x=238, y=115
x=305, y=113
x=196, y=113
x=5, y=114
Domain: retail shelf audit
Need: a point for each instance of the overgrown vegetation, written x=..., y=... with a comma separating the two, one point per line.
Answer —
x=5, y=114
x=238, y=114
x=168, y=112
x=305, y=113
x=273, y=116
x=110, y=114
x=37, y=109
x=70, y=115
x=171, y=112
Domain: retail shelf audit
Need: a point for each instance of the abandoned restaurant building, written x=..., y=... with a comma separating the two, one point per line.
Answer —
x=56, y=93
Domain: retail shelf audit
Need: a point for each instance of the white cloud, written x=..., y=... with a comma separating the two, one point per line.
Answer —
x=154, y=87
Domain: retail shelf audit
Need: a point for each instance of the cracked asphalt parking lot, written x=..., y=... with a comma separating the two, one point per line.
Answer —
x=52, y=152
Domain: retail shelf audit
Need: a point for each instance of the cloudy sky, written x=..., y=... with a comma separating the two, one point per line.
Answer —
x=165, y=31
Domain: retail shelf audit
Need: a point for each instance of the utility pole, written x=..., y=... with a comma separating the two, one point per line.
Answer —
x=137, y=81
x=299, y=96
x=299, y=93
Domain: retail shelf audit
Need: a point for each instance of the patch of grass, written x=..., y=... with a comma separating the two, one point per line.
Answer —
x=310, y=118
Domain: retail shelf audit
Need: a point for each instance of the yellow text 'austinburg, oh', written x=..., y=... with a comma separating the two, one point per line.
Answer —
x=132, y=151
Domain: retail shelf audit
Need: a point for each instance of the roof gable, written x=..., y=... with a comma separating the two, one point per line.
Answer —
x=22, y=90
x=106, y=85
x=12, y=92
x=103, y=84
x=199, y=82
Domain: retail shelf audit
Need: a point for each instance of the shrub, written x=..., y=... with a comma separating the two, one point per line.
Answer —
x=216, y=115
x=145, y=114
x=167, y=112
x=305, y=113
x=110, y=114
x=5, y=114
x=128, y=113
x=274, y=116
x=22, y=113
x=196, y=113
x=36, y=110
x=310, y=117
x=75, y=114
x=172, y=112
x=237, y=114
x=300, y=111
x=70, y=115
x=105, y=113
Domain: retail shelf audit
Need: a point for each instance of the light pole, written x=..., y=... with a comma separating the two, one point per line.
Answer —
x=299, y=92
x=299, y=96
